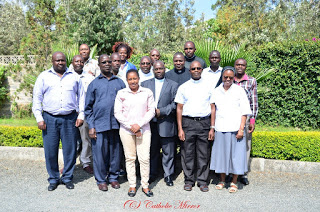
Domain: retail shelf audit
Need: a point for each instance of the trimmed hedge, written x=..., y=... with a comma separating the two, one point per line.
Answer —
x=20, y=136
x=303, y=146
x=292, y=95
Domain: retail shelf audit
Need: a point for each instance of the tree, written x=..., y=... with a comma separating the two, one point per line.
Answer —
x=156, y=23
x=12, y=27
x=95, y=22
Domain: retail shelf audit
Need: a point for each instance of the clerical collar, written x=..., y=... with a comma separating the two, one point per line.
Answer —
x=159, y=80
x=196, y=81
x=180, y=71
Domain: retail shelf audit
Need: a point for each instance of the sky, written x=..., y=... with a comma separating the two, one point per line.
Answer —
x=203, y=6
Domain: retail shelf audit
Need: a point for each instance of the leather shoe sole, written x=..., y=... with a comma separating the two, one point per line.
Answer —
x=187, y=187
x=103, y=187
x=52, y=186
x=115, y=185
x=149, y=193
x=132, y=192
x=244, y=181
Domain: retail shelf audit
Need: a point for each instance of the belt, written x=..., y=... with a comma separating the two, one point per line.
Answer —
x=197, y=118
x=61, y=115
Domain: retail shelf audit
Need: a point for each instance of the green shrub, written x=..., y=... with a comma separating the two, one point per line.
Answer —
x=20, y=136
x=302, y=146
x=4, y=91
x=293, y=91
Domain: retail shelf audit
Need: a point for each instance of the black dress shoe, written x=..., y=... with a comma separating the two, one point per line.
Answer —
x=52, y=186
x=244, y=180
x=69, y=185
x=149, y=193
x=132, y=192
x=168, y=181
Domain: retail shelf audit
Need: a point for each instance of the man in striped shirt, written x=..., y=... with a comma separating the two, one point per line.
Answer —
x=249, y=84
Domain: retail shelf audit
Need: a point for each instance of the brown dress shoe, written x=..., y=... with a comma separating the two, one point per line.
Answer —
x=187, y=187
x=88, y=169
x=204, y=188
x=103, y=187
x=132, y=192
x=115, y=184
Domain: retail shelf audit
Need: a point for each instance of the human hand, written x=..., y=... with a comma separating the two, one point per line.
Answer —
x=42, y=125
x=79, y=122
x=92, y=133
x=134, y=128
x=251, y=128
x=181, y=135
x=239, y=134
x=157, y=113
x=211, y=135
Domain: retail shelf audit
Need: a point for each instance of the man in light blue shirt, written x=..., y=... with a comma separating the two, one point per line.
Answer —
x=58, y=105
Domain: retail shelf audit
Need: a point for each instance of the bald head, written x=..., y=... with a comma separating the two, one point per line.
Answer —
x=178, y=61
x=195, y=70
x=158, y=69
x=115, y=62
x=154, y=55
x=78, y=63
x=214, y=59
x=59, y=62
x=189, y=49
x=84, y=51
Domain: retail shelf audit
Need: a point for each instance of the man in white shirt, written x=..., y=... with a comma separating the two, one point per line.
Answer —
x=194, y=128
x=213, y=72
x=145, y=72
x=86, y=79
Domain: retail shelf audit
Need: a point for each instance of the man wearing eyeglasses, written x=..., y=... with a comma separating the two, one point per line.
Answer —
x=103, y=127
x=163, y=126
x=195, y=128
x=249, y=84
x=189, y=50
x=145, y=72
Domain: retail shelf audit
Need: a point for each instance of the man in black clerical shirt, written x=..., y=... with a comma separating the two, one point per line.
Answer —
x=189, y=50
x=179, y=73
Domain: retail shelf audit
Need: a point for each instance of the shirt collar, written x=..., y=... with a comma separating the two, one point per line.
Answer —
x=244, y=78
x=66, y=72
x=102, y=76
x=180, y=71
x=140, y=89
x=88, y=61
x=217, y=71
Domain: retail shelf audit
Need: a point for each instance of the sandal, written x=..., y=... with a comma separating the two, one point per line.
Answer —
x=220, y=185
x=233, y=188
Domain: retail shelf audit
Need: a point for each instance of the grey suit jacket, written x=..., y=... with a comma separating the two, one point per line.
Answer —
x=167, y=121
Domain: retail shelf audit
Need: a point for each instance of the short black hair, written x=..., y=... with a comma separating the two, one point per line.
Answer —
x=132, y=70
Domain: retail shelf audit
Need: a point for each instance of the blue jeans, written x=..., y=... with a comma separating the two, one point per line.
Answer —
x=60, y=127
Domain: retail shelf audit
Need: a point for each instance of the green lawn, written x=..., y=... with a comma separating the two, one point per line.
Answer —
x=259, y=126
x=19, y=122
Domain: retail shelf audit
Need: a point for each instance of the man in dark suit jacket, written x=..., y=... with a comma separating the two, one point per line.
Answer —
x=163, y=126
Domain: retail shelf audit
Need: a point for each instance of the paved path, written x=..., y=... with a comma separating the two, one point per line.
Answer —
x=23, y=187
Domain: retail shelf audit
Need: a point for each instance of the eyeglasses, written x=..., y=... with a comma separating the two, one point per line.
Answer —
x=226, y=77
x=104, y=62
x=188, y=48
x=144, y=63
x=156, y=69
x=198, y=68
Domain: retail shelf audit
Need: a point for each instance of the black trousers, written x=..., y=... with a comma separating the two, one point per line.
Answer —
x=168, y=149
x=195, y=151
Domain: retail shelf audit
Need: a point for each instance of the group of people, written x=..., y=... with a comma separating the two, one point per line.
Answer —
x=123, y=113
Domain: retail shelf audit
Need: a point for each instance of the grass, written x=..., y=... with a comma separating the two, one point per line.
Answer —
x=19, y=122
